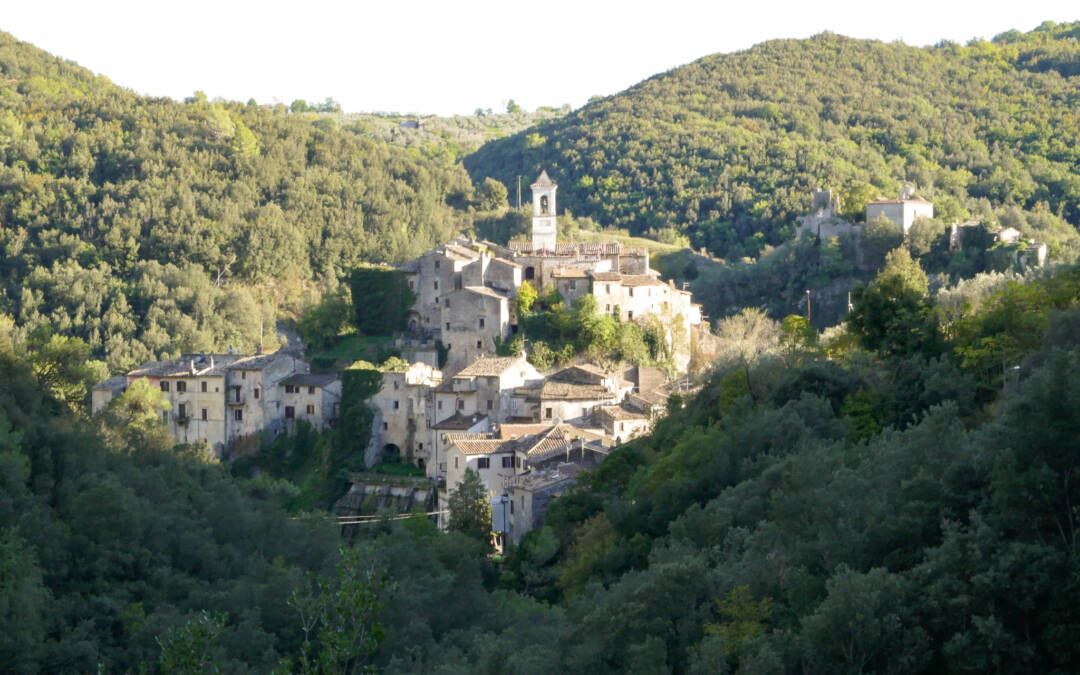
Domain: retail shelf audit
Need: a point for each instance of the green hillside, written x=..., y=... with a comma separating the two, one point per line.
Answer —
x=149, y=227
x=728, y=149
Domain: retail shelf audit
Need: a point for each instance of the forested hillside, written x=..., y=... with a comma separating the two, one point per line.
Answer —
x=146, y=226
x=728, y=149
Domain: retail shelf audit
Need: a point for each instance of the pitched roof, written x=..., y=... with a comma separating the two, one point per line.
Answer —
x=455, y=252
x=484, y=290
x=607, y=276
x=508, y=431
x=114, y=383
x=641, y=280
x=205, y=365
x=258, y=361
x=485, y=446
x=489, y=366
x=569, y=391
x=543, y=181
x=459, y=422
x=569, y=273
x=620, y=413
x=310, y=380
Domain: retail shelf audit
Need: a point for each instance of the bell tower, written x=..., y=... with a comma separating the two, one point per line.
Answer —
x=544, y=229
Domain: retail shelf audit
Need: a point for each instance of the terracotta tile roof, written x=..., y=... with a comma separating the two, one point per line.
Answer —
x=489, y=366
x=181, y=367
x=259, y=361
x=607, y=276
x=569, y=391
x=641, y=280
x=621, y=414
x=114, y=383
x=487, y=446
x=455, y=252
x=509, y=431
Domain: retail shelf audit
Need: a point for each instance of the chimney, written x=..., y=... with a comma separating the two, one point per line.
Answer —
x=211, y=362
x=192, y=364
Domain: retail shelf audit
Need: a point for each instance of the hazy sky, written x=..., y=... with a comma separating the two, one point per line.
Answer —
x=453, y=57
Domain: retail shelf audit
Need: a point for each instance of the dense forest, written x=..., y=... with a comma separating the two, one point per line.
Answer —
x=896, y=494
x=149, y=227
x=728, y=149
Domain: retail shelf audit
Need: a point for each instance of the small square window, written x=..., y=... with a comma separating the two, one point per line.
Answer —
x=181, y=386
x=290, y=412
x=508, y=462
x=164, y=385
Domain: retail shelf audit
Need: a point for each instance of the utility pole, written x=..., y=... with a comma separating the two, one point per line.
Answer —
x=808, y=305
x=519, y=192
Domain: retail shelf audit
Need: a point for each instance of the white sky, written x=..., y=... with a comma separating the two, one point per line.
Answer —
x=451, y=57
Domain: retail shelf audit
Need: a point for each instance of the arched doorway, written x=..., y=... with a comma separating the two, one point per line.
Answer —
x=530, y=273
x=391, y=453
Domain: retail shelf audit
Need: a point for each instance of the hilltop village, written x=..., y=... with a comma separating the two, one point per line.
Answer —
x=454, y=403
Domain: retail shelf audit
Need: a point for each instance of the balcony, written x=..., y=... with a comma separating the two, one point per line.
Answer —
x=235, y=401
x=181, y=419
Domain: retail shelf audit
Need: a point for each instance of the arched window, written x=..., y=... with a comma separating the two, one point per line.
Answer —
x=530, y=273
x=543, y=205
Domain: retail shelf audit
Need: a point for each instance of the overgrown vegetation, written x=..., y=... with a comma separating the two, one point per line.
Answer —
x=726, y=150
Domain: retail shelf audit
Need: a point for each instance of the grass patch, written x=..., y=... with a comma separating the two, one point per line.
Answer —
x=350, y=348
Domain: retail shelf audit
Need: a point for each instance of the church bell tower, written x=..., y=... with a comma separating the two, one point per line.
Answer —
x=544, y=229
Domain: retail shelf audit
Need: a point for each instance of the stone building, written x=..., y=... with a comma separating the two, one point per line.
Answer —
x=215, y=399
x=312, y=398
x=902, y=211
x=486, y=387
x=404, y=418
x=472, y=318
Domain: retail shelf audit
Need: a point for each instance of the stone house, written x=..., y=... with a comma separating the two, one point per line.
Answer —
x=445, y=431
x=215, y=399
x=312, y=398
x=404, y=413
x=485, y=387
x=472, y=318
x=902, y=211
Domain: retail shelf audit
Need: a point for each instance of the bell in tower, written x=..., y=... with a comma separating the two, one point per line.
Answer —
x=544, y=228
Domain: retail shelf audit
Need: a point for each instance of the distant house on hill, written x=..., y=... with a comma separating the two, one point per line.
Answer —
x=902, y=211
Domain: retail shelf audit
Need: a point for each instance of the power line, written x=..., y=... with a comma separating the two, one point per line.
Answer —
x=360, y=520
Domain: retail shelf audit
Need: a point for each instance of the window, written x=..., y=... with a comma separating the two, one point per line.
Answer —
x=481, y=323
x=461, y=404
x=165, y=416
x=447, y=325
x=436, y=264
x=395, y=405
x=479, y=344
x=607, y=308
x=522, y=501
x=421, y=446
x=181, y=410
x=455, y=463
x=385, y=427
x=630, y=291
x=203, y=387
x=238, y=414
x=547, y=413
x=438, y=404
x=446, y=302
x=290, y=412
x=489, y=403
x=255, y=393
x=508, y=461
x=573, y=285
x=395, y=385
x=204, y=414
x=607, y=288
x=436, y=282
x=630, y=314
x=436, y=299
x=310, y=409
x=483, y=463
x=310, y=390
x=243, y=374
x=411, y=286
x=181, y=386
x=511, y=507
x=543, y=205
x=164, y=385
x=289, y=389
